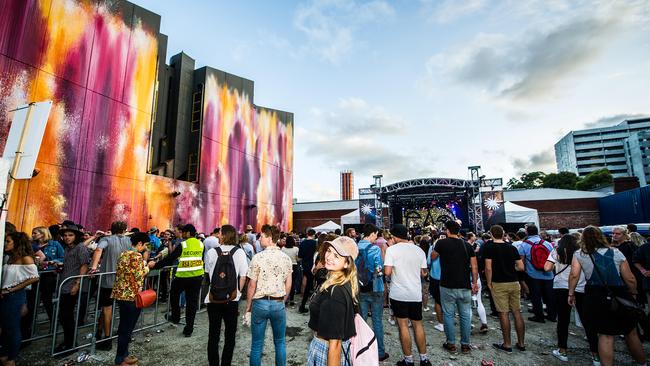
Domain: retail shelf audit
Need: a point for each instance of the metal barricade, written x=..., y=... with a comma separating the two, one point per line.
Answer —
x=145, y=321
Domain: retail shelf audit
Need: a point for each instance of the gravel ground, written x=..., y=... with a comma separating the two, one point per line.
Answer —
x=165, y=345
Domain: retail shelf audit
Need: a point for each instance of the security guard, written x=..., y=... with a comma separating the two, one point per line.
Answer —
x=188, y=278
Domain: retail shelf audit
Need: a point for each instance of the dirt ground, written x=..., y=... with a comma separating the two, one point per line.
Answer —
x=165, y=345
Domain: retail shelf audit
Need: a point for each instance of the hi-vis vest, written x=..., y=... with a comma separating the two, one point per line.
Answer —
x=190, y=263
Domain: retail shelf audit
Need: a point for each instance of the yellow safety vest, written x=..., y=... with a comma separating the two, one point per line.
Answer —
x=190, y=263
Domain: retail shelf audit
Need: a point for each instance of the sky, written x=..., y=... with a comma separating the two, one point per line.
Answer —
x=413, y=89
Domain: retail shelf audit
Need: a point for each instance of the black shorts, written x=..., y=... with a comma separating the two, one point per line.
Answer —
x=407, y=309
x=434, y=290
x=105, y=297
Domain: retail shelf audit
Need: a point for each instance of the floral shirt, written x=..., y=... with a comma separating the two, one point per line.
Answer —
x=270, y=268
x=129, y=276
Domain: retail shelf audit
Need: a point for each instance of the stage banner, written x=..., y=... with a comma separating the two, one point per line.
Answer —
x=367, y=206
x=492, y=202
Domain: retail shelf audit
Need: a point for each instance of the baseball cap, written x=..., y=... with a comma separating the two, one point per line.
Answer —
x=345, y=246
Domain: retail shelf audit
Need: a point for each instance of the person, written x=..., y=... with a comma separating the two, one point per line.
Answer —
x=228, y=311
x=76, y=261
x=458, y=265
x=129, y=279
x=425, y=243
x=268, y=288
x=108, y=251
x=331, y=312
x=637, y=239
x=605, y=269
x=250, y=235
x=540, y=282
x=405, y=263
x=188, y=279
x=351, y=233
x=306, y=257
x=642, y=263
x=370, y=267
x=502, y=262
x=621, y=240
x=559, y=261
x=291, y=250
x=247, y=246
x=18, y=273
x=154, y=240
x=166, y=247
x=434, y=285
x=477, y=298
x=212, y=241
x=50, y=253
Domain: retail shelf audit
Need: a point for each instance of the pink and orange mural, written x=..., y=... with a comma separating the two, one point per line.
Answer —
x=97, y=61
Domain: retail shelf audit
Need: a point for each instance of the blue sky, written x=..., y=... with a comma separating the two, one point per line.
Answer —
x=425, y=88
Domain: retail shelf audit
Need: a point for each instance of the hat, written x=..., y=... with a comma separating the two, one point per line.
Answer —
x=72, y=228
x=345, y=246
x=153, y=229
x=249, y=227
x=400, y=231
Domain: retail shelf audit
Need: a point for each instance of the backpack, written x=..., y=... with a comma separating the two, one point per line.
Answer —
x=363, y=275
x=363, y=349
x=223, y=283
x=538, y=254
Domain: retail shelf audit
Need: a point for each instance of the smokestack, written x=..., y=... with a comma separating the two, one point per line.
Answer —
x=347, y=185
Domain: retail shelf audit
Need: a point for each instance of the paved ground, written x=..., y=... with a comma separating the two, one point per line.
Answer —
x=165, y=345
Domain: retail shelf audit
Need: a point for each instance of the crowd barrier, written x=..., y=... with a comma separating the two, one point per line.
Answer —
x=87, y=310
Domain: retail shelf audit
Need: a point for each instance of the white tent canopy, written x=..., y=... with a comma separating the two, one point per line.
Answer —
x=350, y=218
x=328, y=226
x=516, y=213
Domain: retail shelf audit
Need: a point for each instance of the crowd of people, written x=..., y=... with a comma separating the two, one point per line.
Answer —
x=371, y=273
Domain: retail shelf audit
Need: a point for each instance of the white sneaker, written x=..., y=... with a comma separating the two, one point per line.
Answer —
x=439, y=327
x=560, y=356
x=595, y=361
x=391, y=321
x=426, y=309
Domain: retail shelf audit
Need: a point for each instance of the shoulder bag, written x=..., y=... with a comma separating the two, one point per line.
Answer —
x=618, y=304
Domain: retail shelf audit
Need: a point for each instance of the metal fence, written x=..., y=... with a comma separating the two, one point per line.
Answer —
x=44, y=324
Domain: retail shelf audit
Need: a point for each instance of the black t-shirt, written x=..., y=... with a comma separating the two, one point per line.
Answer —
x=306, y=253
x=503, y=256
x=455, y=270
x=331, y=313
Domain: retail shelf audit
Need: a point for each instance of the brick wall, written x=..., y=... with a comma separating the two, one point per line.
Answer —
x=571, y=213
x=307, y=219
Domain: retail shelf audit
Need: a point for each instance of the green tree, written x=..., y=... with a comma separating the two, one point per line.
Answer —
x=527, y=181
x=561, y=180
x=596, y=179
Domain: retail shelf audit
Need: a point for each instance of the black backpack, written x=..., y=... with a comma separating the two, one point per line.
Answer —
x=223, y=283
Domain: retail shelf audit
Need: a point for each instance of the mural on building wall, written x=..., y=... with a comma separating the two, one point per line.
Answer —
x=96, y=60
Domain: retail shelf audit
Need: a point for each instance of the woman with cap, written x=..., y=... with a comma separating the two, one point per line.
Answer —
x=18, y=272
x=332, y=309
x=76, y=261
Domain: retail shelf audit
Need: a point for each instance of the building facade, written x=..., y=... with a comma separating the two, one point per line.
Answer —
x=637, y=149
x=614, y=148
x=131, y=137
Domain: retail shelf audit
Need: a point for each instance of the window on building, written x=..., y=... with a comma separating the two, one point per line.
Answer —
x=197, y=108
x=192, y=167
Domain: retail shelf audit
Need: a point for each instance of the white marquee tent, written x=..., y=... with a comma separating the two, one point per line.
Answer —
x=350, y=218
x=328, y=226
x=515, y=214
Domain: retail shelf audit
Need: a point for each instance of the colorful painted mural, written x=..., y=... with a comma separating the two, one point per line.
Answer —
x=97, y=60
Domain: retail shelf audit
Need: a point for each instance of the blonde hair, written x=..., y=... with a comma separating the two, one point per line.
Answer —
x=637, y=239
x=624, y=233
x=47, y=236
x=340, y=278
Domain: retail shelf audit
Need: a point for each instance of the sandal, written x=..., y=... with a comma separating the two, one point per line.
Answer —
x=484, y=329
x=501, y=347
x=521, y=348
x=451, y=348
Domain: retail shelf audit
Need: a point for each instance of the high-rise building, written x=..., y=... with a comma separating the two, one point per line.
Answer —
x=347, y=185
x=614, y=148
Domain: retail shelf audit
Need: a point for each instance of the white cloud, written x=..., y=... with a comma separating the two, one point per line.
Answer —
x=613, y=120
x=330, y=25
x=533, y=64
x=541, y=161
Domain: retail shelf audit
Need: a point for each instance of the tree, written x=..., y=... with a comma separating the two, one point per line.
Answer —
x=527, y=181
x=561, y=180
x=596, y=179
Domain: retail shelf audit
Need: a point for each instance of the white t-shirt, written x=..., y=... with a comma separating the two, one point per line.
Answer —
x=407, y=260
x=241, y=265
x=561, y=279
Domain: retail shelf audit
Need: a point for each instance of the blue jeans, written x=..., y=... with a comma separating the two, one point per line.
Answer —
x=375, y=302
x=457, y=299
x=128, y=318
x=274, y=311
x=10, y=306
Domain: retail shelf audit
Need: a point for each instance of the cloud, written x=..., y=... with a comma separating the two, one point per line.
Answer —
x=612, y=120
x=330, y=25
x=542, y=161
x=447, y=11
x=533, y=64
x=358, y=136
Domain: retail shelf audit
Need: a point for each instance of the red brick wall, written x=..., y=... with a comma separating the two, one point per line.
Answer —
x=304, y=220
x=571, y=213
